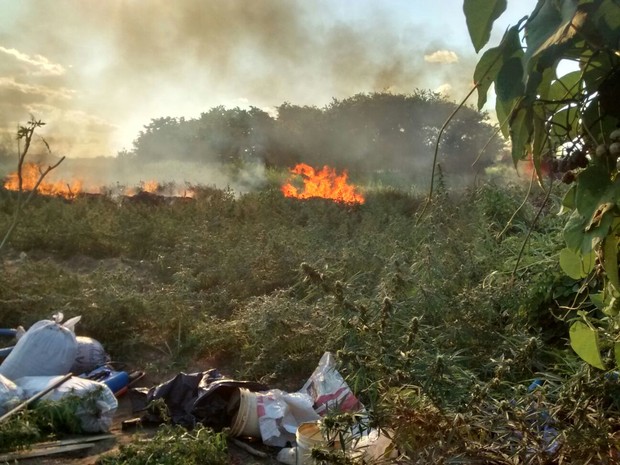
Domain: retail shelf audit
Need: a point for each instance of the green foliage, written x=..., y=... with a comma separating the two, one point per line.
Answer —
x=173, y=445
x=45, y=420
x=363, y=134
x=567, y=124
x=429, y=324
x=480, y=15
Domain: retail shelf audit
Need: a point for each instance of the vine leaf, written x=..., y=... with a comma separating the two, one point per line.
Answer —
x=507, y=86
x=576, y=265
x=492, y=62
x=585, y=342
x=545, y=21
x=566, y=87
x=480, y=16
x=521, y=129
x=610, y=260
x=599, y=213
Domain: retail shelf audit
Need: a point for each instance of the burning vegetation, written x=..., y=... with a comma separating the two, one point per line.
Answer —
x=31, y=173
x=324, y=183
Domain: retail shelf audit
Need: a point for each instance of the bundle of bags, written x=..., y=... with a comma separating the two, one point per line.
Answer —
x=47, y=351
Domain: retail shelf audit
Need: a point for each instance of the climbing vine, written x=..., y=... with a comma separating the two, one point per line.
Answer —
x=568, y=124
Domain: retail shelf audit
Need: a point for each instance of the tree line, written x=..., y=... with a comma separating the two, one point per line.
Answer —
x=364, y=133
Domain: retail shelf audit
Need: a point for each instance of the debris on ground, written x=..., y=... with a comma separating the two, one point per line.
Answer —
x=49, y=362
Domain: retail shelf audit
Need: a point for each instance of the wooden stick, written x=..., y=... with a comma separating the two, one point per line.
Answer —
x=37, y=396
x=44, y=451
x=80, y=440
x=249, y=449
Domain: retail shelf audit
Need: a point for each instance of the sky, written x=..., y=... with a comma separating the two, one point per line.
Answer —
x=98, y=71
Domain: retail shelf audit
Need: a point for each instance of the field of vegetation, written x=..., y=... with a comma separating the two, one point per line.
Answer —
x=440, y=322
x=478, y=325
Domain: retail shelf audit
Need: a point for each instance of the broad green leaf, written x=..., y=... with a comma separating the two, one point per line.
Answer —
x=538, y=84
x=588, y=261
x=598, y=216
x=565, y=123
x=599, y=126
x=568, y=201
x=480, y=15
x=563, y=37
x=566, y=87
x=607, y=20
x=542, y=23
x=570, y=262
x=596, y=68
x=509, y=81
x=548, y=24
x=492, y=60
x=503, y=111
x=612, y=307
x=598, y=300
x=574, y=231
x=544, y=87
x=585, y=342
x=521, y=129
x=593, y=183
x=617, y=353
x=610, y=260
x=486, y=70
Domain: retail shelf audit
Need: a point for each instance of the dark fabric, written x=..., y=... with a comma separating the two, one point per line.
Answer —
x=201, y=397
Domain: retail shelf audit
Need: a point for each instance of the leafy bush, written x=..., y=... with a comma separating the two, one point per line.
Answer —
x=173, y=445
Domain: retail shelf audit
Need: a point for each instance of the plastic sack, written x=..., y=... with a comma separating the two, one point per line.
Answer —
x=96, y=412
x=329, y=390
x=374, y=447
x=89, y=356
x=280, y=413
x=10, y=395
x=46, y=349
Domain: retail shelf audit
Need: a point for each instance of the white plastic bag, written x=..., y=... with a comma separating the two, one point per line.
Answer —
x=96, y=413
x=280, y=413
x=46, y=349
x=329, y=390
x=10, y=395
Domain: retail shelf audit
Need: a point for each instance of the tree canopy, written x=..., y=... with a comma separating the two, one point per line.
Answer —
x=363, y=133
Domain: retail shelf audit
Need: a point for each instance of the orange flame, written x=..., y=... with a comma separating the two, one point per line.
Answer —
x=145, y=186
x=151, y=186
x=30, y=175
x=324, y=183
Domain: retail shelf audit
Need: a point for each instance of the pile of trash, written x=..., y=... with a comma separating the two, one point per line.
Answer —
x=50, y=362
x=291, y=421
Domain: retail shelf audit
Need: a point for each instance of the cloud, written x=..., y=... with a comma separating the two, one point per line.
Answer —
x=42, y=66
x=9, y=84
x=442, y=56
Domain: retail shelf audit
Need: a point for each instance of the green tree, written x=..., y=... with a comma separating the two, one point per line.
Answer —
x=568, y=124
x=364, y=133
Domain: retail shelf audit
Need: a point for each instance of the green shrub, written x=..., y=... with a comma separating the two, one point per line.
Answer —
x=173, y=445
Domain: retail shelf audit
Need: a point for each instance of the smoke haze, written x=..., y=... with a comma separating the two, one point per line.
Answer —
x=96, y=72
